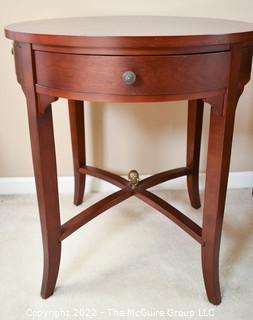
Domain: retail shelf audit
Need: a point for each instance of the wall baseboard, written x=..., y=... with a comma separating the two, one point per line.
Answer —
x=26, y=185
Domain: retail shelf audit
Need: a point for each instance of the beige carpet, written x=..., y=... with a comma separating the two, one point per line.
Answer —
x=128, y=263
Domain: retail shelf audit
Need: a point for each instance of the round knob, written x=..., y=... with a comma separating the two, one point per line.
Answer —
x=129, y=77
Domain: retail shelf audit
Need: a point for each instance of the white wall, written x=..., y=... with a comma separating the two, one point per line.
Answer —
x=149, y=137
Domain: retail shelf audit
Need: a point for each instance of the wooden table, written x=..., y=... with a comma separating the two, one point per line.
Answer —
x=133, y=59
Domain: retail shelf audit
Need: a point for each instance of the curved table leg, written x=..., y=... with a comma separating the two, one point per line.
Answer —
x=76, y=117
x=44, y=162
x=218, y=161
x=194, y=131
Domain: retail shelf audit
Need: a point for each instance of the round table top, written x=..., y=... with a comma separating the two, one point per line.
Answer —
x=216, y=31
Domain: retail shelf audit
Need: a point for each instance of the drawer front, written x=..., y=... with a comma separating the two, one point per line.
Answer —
x=155, y=75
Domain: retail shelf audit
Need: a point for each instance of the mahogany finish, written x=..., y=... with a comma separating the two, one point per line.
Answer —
x=176, y=74
x=169, y=58
x=76, y=117
x=194, y=130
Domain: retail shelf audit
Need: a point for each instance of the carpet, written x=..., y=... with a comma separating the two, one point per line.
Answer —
x=131, y=262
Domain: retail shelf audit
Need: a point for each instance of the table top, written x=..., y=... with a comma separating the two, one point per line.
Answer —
x=216, y=31
x=131, y=26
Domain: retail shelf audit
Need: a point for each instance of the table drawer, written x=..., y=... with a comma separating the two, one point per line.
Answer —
x=155, y=75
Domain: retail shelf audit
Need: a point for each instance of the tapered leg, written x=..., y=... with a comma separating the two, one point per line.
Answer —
x=194, y=131
x=218, y=160
x=76, y=117
x=43, y=151
x=219, y=150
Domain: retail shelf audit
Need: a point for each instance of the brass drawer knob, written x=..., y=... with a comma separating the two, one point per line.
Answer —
x=129, y=77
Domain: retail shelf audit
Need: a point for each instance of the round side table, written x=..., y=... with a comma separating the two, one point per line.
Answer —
x=133, y=59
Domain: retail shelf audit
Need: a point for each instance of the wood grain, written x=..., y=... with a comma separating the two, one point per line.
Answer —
x=162, y=75
x=195, y=59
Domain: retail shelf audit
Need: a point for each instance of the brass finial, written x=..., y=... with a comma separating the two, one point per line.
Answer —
x=133, y=177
